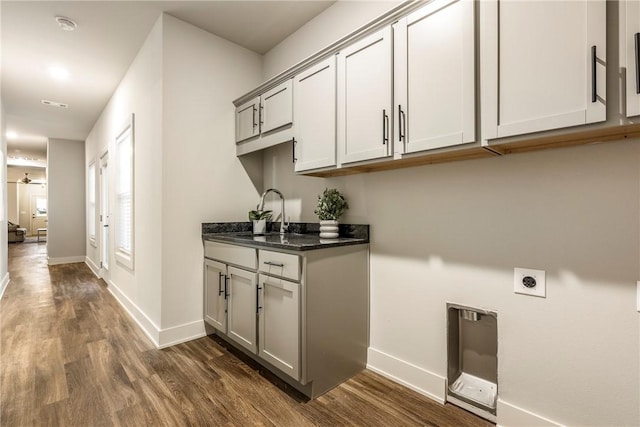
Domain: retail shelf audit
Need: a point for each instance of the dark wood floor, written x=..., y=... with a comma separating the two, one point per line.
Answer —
x=70, y=356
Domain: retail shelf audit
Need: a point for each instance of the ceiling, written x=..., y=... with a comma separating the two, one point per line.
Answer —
x=98, y=53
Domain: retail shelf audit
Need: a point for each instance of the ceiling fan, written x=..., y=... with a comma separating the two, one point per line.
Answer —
x=26, y=178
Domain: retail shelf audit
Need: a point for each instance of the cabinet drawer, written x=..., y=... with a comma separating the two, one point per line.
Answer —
x=279, y=264
x=231, y=254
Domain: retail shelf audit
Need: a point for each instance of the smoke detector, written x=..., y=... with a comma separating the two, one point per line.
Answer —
x=65, y=23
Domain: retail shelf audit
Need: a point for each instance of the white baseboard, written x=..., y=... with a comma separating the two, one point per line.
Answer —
x=4, y=284
x=161, y=338
x=182, y=333
x=92, y=266
x=512, y=416
x=146, y=324
x=66, y=260
x=409, y=375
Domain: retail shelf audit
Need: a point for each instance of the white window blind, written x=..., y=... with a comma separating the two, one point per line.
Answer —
x=91, y=183
x=124, y=196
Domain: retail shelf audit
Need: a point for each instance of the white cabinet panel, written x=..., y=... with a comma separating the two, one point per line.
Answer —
x=315, y=112
x=630, y=53
x=543, y=65
x=276, y=107
x=247, y=125
x=279, y=319
x=365, y=98
x=242, y=307
x=215, y=301
x=435, y=77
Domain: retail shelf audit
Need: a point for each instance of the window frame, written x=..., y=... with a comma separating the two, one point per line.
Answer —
x=125, y=255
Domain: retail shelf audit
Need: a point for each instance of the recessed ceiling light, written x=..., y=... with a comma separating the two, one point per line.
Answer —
x=12, y=135
x=66, y=24
x=54, y=103
x=59, y=73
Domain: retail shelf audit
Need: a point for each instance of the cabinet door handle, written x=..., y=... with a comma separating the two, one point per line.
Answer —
x=226, y=287
x=274, y=264
x=402, y=125
x=294, y=150
x=258, y=306
x=594, y=84
x=385, y=127
x=637, y=40
x=254, y=117
x=261, y=115
x=220, y=283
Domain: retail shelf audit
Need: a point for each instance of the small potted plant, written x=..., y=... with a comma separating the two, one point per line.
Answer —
x=259, y=219
x=331, y=205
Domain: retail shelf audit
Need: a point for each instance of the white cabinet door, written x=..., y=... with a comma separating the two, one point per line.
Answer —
x=315, y=112
x=247, y=125
x=276, y=107
x=365, y=98
x=434, y=72
x=630, y=52
x=542, y=65
x=215, y=301
x=279, y=319
x=242, y=307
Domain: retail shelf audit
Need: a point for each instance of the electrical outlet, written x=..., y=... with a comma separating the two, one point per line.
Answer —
x=527, y=281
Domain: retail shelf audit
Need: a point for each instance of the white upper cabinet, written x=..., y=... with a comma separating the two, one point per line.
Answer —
x=315, y=112
x=630, y=53
x=266, y=113
x=247, y=125
x=276, y=107
x=365, y=98
x=434, y=66
x=543, y=65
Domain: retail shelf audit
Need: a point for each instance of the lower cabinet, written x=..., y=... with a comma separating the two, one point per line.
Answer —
x=279, y=320
x=280, y=308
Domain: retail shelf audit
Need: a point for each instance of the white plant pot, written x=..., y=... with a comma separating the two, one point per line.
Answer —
x=259, y=226
x=329, y=229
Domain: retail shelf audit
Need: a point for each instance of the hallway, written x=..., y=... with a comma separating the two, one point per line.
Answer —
x=70, y=356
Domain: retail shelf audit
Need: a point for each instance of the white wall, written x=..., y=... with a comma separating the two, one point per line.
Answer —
x=180, y=88
x=203, y=181
x=4, y=271
x=66, y=201
x=455, y=231
x=139, y=93
x=13, y=199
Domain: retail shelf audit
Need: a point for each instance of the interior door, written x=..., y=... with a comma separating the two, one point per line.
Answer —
x=104, y=216
x=38, y=213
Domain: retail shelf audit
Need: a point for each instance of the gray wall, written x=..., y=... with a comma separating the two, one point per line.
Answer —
x=4, y=273
x=66, y=181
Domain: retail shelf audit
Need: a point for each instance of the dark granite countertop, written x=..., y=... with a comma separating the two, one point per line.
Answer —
x=303, y=236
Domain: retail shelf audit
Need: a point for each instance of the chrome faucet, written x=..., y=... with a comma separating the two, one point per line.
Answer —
x=283, y=227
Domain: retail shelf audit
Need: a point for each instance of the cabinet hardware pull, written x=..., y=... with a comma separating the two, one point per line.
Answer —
x=594, y=84
x=385, y=127
x=275, y=264
x=637, y=40
x=226, y=281
x=258, y=306
x=294, y=150
x=402, y=125
x=254, y=117
x=220, y=283
x=261, y=115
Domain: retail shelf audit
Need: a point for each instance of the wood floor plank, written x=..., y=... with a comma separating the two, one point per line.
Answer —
x=71, y=356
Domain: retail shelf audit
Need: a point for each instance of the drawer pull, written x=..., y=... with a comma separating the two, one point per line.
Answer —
x=274, y=264
x=220, y=291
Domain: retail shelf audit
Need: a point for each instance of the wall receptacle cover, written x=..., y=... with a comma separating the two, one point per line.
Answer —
x=527, y=281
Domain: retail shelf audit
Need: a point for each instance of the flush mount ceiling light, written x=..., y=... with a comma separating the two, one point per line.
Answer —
x=65, y=23
x=11, y=135
x=58, y=72
x=54, y=104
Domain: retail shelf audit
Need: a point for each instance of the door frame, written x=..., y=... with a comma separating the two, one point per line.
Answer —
x=105, y=241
